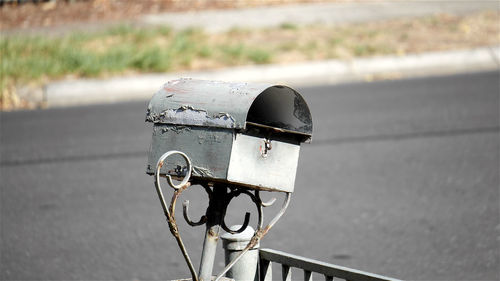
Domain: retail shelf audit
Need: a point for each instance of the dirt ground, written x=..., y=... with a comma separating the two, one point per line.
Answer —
x=56, y=13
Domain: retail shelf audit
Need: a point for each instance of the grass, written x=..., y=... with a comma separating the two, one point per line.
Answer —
x=118, y=50
x=125, y=49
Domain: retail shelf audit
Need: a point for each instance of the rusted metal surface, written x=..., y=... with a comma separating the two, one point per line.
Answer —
x=220, y=197
x=229, y=105
x=170, y=211
x=217, y=204
x=208, y=252
x=235, y=133
x=235, y=137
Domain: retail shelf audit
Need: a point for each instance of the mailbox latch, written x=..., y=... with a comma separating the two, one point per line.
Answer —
x=267, y=146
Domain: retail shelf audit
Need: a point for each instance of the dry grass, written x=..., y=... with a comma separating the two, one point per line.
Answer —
x=126, y=50
x=436, y=33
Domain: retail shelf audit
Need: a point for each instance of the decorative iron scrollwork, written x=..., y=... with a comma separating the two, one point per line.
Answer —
x=220, y=202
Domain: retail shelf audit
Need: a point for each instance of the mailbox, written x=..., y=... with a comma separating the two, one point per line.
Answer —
x=241, y=134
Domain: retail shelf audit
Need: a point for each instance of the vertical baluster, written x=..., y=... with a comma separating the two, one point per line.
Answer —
x=266, y=270
x=308, y=275
x=286, y=273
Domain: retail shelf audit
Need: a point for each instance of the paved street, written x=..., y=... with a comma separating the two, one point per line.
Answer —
x=401, y=179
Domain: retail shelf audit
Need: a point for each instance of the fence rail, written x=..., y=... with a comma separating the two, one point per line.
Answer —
x=330, y=271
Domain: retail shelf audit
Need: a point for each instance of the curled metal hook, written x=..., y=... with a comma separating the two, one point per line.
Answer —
x=264, y=204
x=258, y=203
x=234, y=193
x=241, y=229
x=159, y=164
x=259, y=233
x=185, y=210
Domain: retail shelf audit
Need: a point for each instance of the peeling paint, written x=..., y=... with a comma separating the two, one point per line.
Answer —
x=148, y=114
x=188, y=115
x=202, y=172
x=230, y=105
x=223, y=118
x=175, y=129
x=180, y=129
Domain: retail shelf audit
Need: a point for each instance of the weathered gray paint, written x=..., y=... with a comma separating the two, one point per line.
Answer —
x=223, y=127
x=208, y=148
x=199, y=98
x=227, y=105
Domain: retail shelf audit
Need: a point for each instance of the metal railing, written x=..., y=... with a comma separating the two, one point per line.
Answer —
x=329, y=271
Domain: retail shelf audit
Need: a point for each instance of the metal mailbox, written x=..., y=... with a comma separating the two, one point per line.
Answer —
x=235, y=133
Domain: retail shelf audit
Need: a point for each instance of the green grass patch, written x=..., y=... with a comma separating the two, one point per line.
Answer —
x=259, y=56
x=36, y=59
x=114, y=51
x=288, y=25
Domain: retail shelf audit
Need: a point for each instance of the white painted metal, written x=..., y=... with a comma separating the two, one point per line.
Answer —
x=286, y=273
x=251, y=165
x=328, y=270
x=246, y=268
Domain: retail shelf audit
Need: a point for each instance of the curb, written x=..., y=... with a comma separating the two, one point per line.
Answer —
x=142, y=87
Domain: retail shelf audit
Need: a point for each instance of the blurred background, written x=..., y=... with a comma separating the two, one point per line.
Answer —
x=401, y=178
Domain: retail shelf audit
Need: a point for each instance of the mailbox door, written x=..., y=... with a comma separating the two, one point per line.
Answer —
x=251, y=165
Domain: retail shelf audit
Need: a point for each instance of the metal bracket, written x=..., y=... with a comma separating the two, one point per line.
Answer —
x=215, y=213
x=170, y=211
x=259, y=233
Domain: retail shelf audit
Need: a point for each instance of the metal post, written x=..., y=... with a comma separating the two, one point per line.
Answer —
x=246, y=268
x=214, y=214
x=208, y=252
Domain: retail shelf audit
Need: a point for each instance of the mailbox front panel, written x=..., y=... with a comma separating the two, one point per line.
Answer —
x=250, y=164
x=208, y=148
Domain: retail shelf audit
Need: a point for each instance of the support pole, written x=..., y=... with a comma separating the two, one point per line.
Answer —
x=246, y=268
x=214, y=214
x=208, y=253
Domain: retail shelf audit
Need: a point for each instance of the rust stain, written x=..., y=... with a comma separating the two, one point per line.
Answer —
x=213, y=234
x=175, y=90
x=175, y=86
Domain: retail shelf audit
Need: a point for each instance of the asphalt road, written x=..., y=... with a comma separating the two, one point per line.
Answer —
x=401, y=179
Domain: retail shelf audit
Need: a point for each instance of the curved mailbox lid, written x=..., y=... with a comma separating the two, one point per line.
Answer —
x=230, y=105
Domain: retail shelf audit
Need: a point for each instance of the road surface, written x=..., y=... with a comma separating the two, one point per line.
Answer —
x=401, y=179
